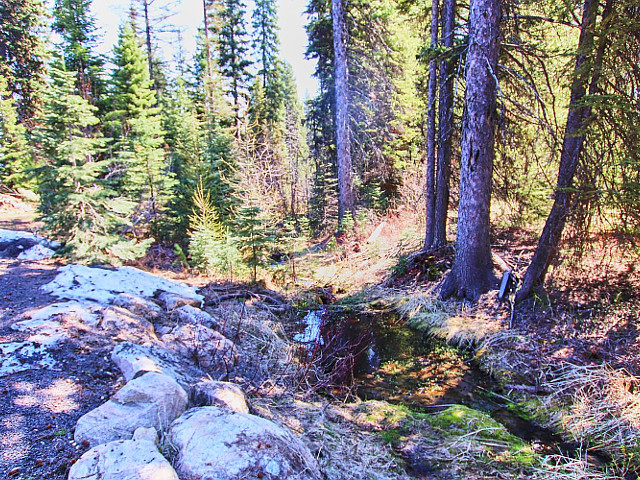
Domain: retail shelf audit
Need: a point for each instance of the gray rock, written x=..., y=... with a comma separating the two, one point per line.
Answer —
x=191, y=314
x=139, y=306
x=222, y=394
x=171, y=301
x=148, y=434
x=152, y=400
x=37, y=252
x=123, y=460
x=127, y=326
x=133, y=359
x=204, y=346
x=231, y=445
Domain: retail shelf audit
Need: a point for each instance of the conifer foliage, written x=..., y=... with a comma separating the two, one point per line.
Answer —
x=140, y=170
x=76, y=202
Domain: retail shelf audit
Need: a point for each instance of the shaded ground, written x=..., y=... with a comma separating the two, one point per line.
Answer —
x=39, y=408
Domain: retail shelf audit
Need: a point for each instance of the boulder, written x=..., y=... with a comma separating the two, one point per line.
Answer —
x=222, y=394
x=171, y=300
x=191, y=314
x=149, y=434
x=133, y=359
x=37, y=252
x=139, y=306
x=230, y=445
x=204, y=346
x=151, y=400
x=123, y=460
x=127, y=326
x=102, y=285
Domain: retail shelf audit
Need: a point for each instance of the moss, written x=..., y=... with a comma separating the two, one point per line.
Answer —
x=381, y=415
x=474, y=425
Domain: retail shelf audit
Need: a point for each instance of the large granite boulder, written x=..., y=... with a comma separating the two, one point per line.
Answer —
x=216, y=444
x=204, y=346
x=151, y=400
x=221, y=394
x=127, y=326
x=191, y=314
x=139, y=306
x=133, y=359
x=123, y=460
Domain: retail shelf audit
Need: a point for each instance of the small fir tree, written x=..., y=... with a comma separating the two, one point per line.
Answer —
x=253, y=238
x=210, y=246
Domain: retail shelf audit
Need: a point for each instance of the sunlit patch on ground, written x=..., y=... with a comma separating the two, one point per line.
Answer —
x=57, y=397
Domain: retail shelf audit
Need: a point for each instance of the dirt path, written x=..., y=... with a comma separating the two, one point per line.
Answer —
x=39, y=407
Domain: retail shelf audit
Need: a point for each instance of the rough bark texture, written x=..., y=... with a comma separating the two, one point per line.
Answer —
x=147, y=31
x=445, y=124
x=571, y=148
x=430, y=192
x=346, y=198
x=472, y=271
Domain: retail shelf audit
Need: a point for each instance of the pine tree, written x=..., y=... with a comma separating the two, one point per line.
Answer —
x=22, y=53
x=75, y=25
x=233, y=50
x=210, y=245
x=135, y=123
x=253, y=239
x=200, y=154
x=14, y=154
x=76, y=204
x=267, y=46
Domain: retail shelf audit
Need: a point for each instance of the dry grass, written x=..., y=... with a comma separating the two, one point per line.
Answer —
x=267, y=359
x=344, y=449
x=557, y=467
x=448, y=321
x=507, y=356
x=599, y=406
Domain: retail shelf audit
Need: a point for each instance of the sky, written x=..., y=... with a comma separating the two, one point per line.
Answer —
x=293, y=38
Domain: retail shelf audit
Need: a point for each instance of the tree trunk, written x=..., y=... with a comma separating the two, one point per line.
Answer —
x=430, y=193
x=472, y=271
x=346, y=198
x=147, y=31
x=208, y=87
x=445, y=126
x=573, y=141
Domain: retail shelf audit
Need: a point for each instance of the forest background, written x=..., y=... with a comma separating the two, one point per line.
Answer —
x=214, y=158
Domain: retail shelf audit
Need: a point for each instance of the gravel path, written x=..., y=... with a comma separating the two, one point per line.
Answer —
x=39, y=407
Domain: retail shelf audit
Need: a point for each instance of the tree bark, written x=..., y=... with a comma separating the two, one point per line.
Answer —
x=577, y=119
x=147, y=31
x=445, y=126
x=346, y=197
x=430, y=193
x=472, y=271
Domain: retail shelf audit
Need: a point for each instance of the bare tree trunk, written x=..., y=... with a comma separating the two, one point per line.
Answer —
x=147, y=31
x=430, y=193
x=208, y=103
x=346, y=197
x=577, y=119
x=472, y=271
x=445, y=126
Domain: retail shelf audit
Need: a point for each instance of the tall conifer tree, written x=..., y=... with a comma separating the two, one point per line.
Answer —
x=233, y=54
x=22, y=53
x=136, y=127
x=74, y=23
x=76, y=203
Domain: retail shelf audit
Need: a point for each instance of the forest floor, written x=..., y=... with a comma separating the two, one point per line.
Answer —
x=588, y=318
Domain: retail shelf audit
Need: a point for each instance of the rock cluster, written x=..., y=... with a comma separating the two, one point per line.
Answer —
x=166, y=345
